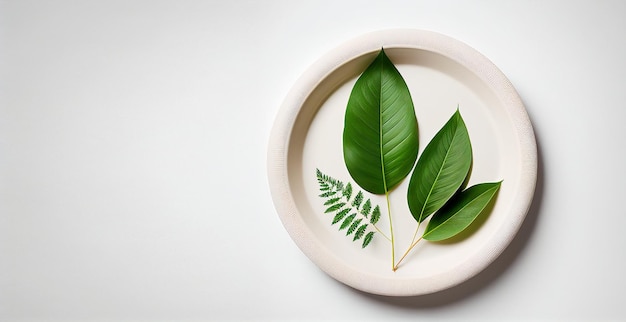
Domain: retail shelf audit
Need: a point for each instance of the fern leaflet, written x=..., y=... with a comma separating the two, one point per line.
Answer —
x=367, y=207
x=340, y=215
x=346, y=222
x=331, y=201
x=375, y=216
x=359, y=232
x=347, y=192
x=354, y=225
x=368, y=239
x=335, y=207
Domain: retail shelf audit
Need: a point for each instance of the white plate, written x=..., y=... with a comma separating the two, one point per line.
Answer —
x=442, y=73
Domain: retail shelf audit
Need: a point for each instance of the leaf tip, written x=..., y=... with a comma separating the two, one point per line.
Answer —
x=457, y=113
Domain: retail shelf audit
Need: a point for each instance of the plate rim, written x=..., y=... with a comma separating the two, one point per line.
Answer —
x=280, y=135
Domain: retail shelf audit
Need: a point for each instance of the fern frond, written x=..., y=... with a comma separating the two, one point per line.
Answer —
x=350, y=210
x=368, y=239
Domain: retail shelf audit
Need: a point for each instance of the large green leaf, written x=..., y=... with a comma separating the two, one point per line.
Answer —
x=441, y=169
x=380, y=139
x=460, y=211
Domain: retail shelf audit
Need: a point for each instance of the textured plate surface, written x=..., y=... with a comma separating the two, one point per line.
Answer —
x=442, y=73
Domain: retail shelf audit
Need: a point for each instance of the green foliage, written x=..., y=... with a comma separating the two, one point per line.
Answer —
x=352, y=213
x=380, y=147
x=461, y=211
x=441, y=169
x=380, y=138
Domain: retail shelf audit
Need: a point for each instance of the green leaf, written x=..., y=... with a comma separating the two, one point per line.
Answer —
x=367, y=239
x=441, y=169
x=328, y=194
x=460, y=212
x=380, y=137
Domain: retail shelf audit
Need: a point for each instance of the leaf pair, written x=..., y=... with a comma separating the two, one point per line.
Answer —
x=439, y=174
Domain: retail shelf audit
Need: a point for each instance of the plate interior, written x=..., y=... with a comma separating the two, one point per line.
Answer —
x=438, y=85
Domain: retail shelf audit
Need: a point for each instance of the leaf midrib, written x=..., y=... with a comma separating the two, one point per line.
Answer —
x=380, y=127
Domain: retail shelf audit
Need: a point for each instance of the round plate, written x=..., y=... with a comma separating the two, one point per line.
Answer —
x=443, y=74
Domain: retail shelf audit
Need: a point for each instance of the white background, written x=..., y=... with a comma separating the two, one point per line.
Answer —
x=133, y=139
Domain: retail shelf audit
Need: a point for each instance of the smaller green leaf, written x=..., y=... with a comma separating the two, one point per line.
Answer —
x=340, y=215
x=354, y=225
x=368, y=239
x=335, y=207
x=360, y=232
x=375, y=215
x=367, y=207
x=441, y=169
x=328, y=194
x=358, y=199
x=460, y=211
x=346, y=222
x=332, y=201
